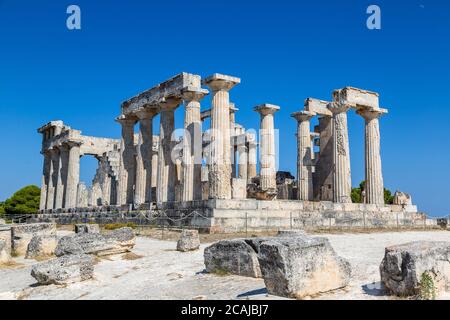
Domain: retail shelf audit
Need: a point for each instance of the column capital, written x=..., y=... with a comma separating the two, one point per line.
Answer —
x=126, y=120
x=219, y=82
x=336, y=107
x=233, y=108
x=369, y=113
x=146, y=113
x=193, y=94
x=169, y=104
x=266, y=108
x=303, y=115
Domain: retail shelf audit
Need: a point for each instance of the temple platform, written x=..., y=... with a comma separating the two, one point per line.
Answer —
x=250, y=215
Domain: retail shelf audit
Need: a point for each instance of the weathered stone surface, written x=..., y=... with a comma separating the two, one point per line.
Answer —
x=290, y=233
x=87, y=228
x=403, y=265
x=2, y=221
x=22, y=234
x=188, y=241
x=237, y=256
x=300, y=266
x=4, y=252
x=402, y=198
x=64, y=270
x=116, y=242
x=5, y=235
x=41, y=246
x=239, y=188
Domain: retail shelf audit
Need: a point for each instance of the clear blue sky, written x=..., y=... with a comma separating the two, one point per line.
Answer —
x=284, y=51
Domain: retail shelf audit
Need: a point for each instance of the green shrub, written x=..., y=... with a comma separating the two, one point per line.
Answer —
x=24, y=201
x=427, y=289
x=356, y=194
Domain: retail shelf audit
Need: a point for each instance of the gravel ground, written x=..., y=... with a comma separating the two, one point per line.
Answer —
x=156, y=270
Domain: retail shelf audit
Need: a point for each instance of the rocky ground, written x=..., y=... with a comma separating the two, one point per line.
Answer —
x=155, y=270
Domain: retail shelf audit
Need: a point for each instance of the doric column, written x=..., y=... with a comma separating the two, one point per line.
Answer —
x=374, y=188
x=61, y=177
x=53, y=179
x=73, y=175
x=127, y=162
x=342, y=183
x=155, y=165
x=304, y=160
x=166, y=179
x=44, y=180
x=243, y=161
x=192, y=145
x=267, y=146
x=233, y=146
x=220, y=166
x=144, y=153
x=252, y=157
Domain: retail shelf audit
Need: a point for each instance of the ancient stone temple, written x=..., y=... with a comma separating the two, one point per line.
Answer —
x=214, y=170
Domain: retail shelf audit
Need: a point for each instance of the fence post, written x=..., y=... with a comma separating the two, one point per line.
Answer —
x=290, y=217
x=397, y=221
x=364, y=220
x=246, y=226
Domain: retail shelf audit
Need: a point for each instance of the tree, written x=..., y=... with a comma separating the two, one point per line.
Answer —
x=2, y=208
x=23, y=201
x=356, y=194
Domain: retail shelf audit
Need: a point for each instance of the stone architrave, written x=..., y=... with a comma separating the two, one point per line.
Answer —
x=127, y=162
x=192, y=145
x=220, y=167
x=304, y=159
x=267, y=146
x=144, y=151
x=342, y=184
x=374, y=177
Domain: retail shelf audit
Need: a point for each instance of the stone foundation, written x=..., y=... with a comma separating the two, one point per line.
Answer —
x=229, y=216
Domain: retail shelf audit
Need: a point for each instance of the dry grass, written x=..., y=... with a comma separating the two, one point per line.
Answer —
x=131, y=256
x=11, y=265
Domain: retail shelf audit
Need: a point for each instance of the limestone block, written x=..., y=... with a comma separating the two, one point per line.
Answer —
x=317, y=106
x=403, y=265
x=205, y=190
x=41, y=246
x=22, y=234
x=410, y=208
x=87, y=228
x=116, y=242
x=402, y=198
x=5, y=255
x=291, y=233
x=239, y=188
x=5, y=234
x=2, y=221
x=237, y=256
x=350, y=206
x=64, y=270
x=300, y=266
x=356, y=97
x=188, y=241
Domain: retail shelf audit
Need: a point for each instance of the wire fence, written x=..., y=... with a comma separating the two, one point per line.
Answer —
x=155, y=220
